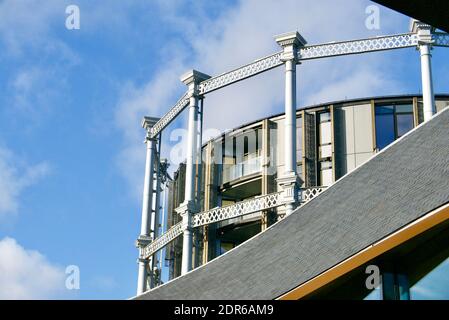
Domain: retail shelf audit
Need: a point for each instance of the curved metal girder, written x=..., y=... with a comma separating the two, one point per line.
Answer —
x=333, y=49
x=239, y=209
x=171, y=115
x=245, y=207
x=162, y=241
x=247, y=71
x=441, y=39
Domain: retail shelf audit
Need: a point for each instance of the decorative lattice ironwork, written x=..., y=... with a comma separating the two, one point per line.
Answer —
x=358, y=46
x=441, y=39
x=241, y=73
x=218, y=82
x=242, y=208
x=310, y=193
x=306, y=53
x=170, y=116
x=163, y=240
x=239, y=209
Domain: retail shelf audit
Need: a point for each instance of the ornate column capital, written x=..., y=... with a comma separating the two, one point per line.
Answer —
x=148, y=123
x=186, y=210
x=423, y=31
x=192, y=79
x=290, y=42
x=289, y=185
x=142, y=241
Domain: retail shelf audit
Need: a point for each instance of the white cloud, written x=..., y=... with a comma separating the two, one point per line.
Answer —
x=361, y=83
x=15, y=177
x=27, y=23
x=239, y=35
x=27, y=274
x=30, y=40
x=136, y=103
x=25, y=90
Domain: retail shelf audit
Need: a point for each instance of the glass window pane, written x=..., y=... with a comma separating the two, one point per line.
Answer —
x=326, y=164
x=325, y=173
x=228, y=151
x=434, y=285
x=299, y=139
x=299, y=171
x=225, y=202
x=326, y=177
x=325, y=133
x=404, y=108
x=404, y=123
x=404, y=292
x=374, y=294
x=388, y=287
x=326, y=151
x=325, y=116
x=384, y=110
x=226, y=246
x=384, y=129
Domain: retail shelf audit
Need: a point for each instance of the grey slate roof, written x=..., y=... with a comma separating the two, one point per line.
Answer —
x=397, y=186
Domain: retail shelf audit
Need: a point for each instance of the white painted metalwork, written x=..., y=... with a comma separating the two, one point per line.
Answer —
x=424, y=33
x=291, y=43
x=170, y=115
x=427, y=86
x=245, y=207
x=441, y=39
x=242, y=208
x=191, y=79
x=333, y=49
x=147, y=202
x=247, y=71
x=310, y=193
x=152, y=261
x=172, y=233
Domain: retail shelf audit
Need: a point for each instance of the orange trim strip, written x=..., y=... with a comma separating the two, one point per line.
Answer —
x=413, y=229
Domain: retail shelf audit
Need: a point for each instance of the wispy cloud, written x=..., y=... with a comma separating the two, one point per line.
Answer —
x=15, y=176
x=39, y=60
x=27, y=274
x=26, y=24
x=362, y=83
x=135, y=103
x=30, y=92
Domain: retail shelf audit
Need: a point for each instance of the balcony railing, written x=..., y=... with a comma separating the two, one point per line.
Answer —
x=245, y=168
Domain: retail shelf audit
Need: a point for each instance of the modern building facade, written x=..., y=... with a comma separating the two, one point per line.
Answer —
x=333, y=139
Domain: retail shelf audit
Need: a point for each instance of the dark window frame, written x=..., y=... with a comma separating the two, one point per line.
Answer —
x=321, y=160
x=395, y=114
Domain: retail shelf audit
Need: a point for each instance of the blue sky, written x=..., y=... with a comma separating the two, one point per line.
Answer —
x=71, y=151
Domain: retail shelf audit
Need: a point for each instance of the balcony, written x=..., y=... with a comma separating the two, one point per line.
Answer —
x=245, y=168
